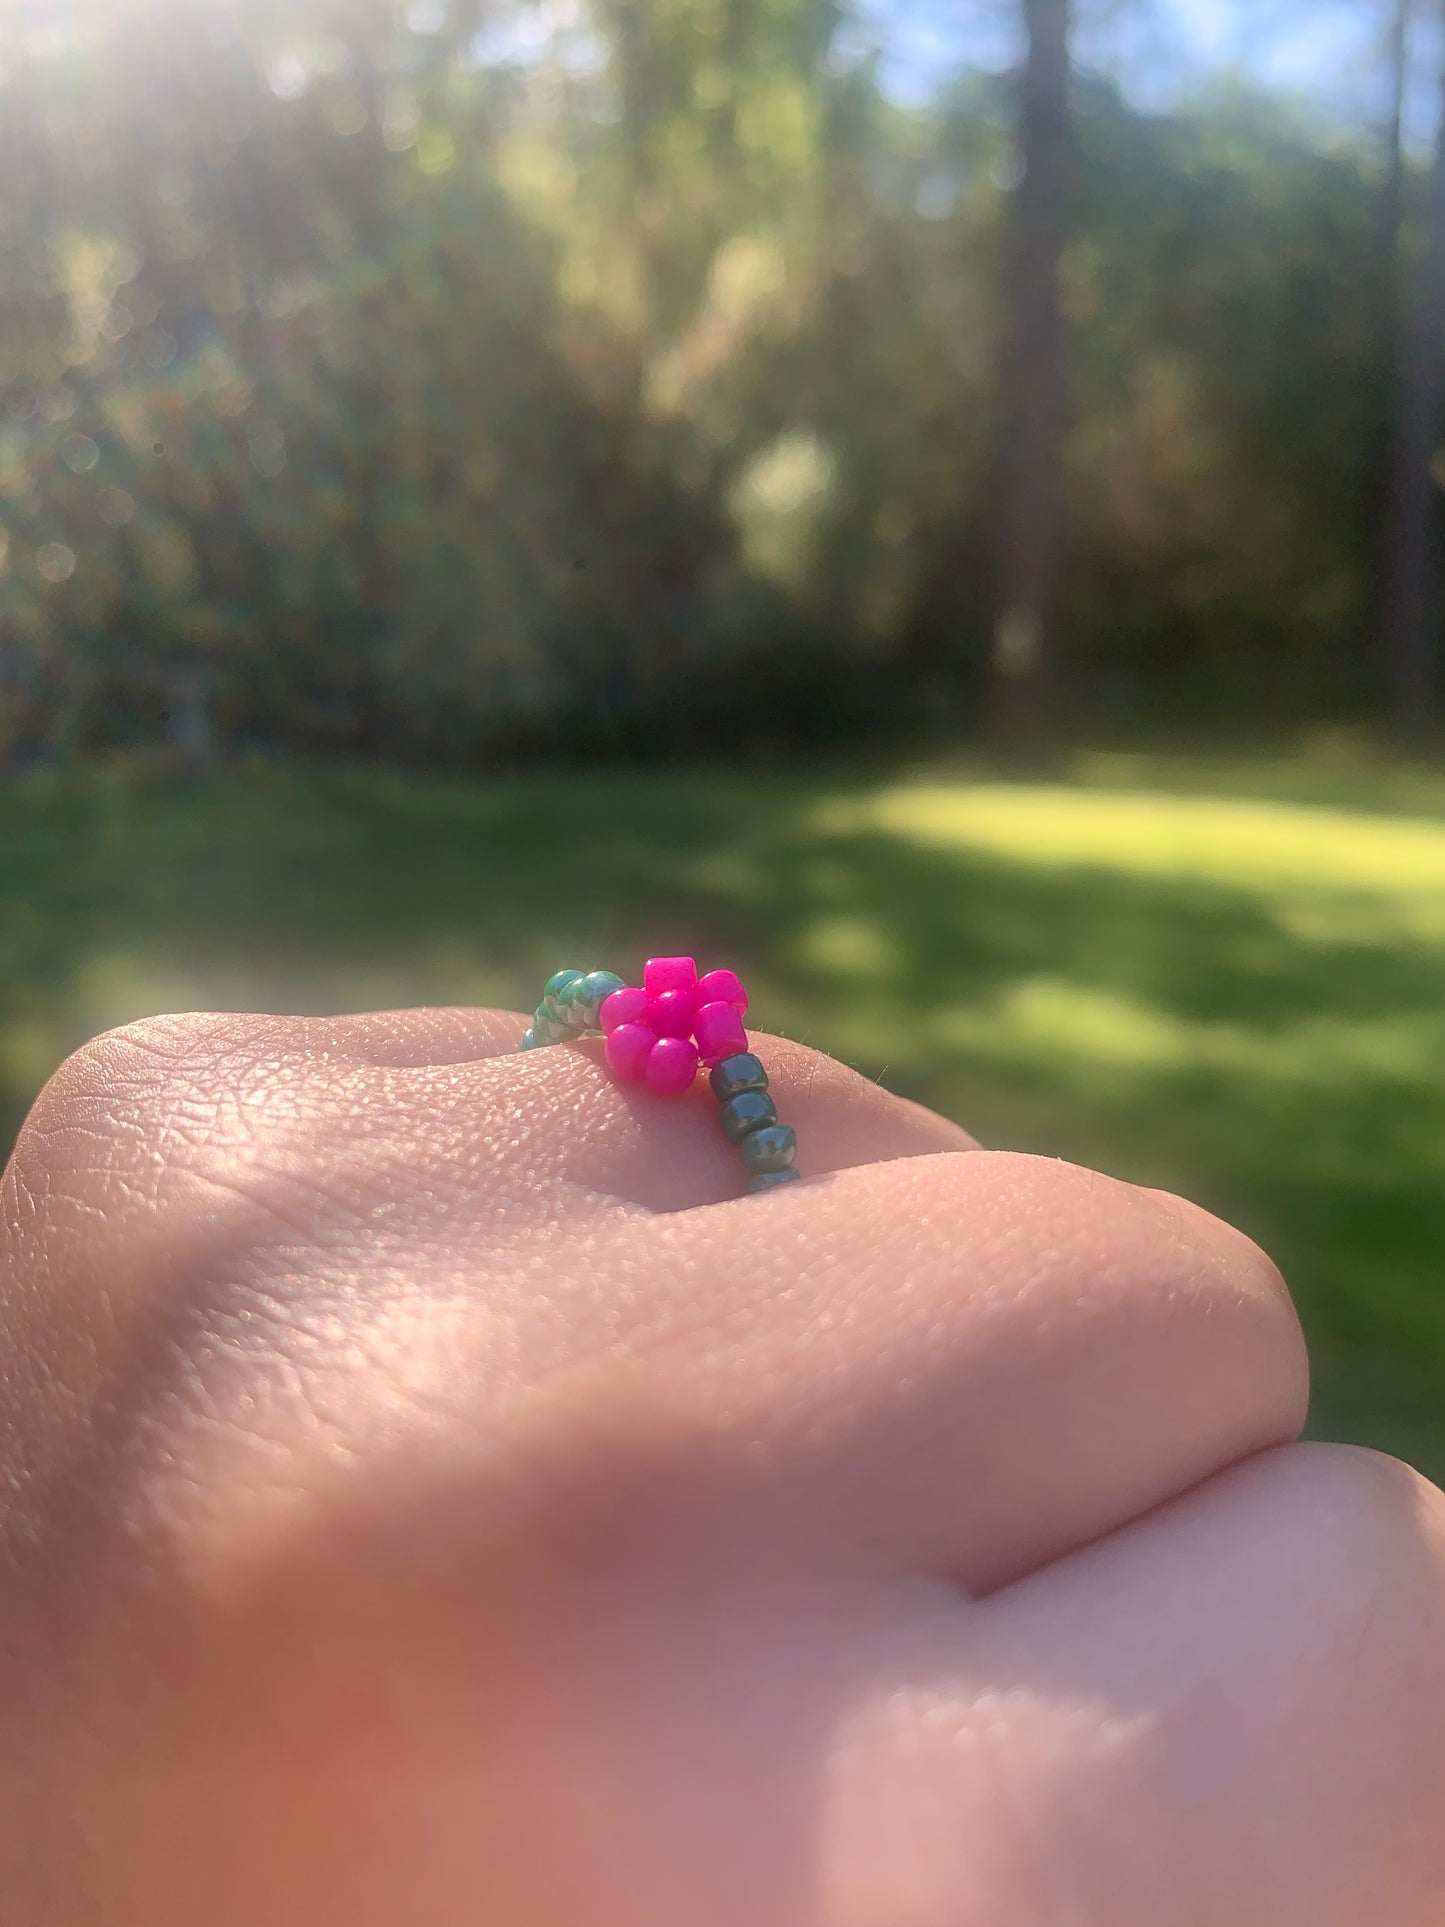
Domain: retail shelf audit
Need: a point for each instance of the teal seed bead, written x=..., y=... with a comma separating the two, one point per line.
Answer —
x=772, y=1147
x=572, y=1005
x=737, y=1074
x=529, y=1040
x=556, y=985
x=596, y=988
x=770, y=1180
x=548, y=1030
x=748, y=1111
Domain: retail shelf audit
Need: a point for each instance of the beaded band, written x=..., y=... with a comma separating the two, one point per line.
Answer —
x=659, y=1035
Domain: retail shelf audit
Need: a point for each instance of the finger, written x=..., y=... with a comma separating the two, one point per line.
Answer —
x=1233, y=1711
x=130, y=1113
x=194, y=1138
x=965, y=1364
x=418, y=1038
x=959, y=1365
x=570, y=1120
x=667, y=1154
x=320, y=1123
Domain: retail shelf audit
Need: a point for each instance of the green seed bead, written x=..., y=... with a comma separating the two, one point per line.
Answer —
x=770, y=1180
x=748, y=1111
x=736, y=1074
x=556, y=984
x=772, y=1147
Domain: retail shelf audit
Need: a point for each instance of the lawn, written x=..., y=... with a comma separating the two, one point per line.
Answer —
x=1227, y=981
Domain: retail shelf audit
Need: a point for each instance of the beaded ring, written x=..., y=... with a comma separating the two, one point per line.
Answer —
x=659, y=1034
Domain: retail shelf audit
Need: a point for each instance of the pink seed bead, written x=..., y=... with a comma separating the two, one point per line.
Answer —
x=669, y=973
x=671, y=1066
x=627, y=1050
x=622, y=1007
x=722, y=987
x=670, y=1015
x=719, y=1031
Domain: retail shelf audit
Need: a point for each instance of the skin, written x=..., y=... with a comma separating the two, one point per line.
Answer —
x=430, y=1493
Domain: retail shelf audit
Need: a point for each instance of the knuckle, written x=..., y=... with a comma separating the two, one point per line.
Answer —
x=130, y=1108
x=1384, y=1520
x=1393, y=1493
x=157, y=1052
x=140, y=1070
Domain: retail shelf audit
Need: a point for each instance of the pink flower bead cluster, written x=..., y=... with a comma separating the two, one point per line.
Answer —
x=658, y=1035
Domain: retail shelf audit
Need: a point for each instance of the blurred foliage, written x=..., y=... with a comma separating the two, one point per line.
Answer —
x=440, y=382
x=1225, y=981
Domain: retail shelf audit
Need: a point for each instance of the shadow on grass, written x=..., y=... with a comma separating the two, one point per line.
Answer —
x=1175, y=1030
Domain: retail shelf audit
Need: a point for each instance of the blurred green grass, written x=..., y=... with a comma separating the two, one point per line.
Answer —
x=1228, y=980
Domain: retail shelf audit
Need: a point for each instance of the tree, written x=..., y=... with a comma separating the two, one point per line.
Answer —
x=1033, y=381
x=374, y=384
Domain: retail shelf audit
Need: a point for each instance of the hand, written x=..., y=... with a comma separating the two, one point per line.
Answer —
x=430, y=1495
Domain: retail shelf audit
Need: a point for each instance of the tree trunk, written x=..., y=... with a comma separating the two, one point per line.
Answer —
x=1411, y=638
x=1398, y=63
x=1022, y=669
x=188, y=724
x=1377, y=473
